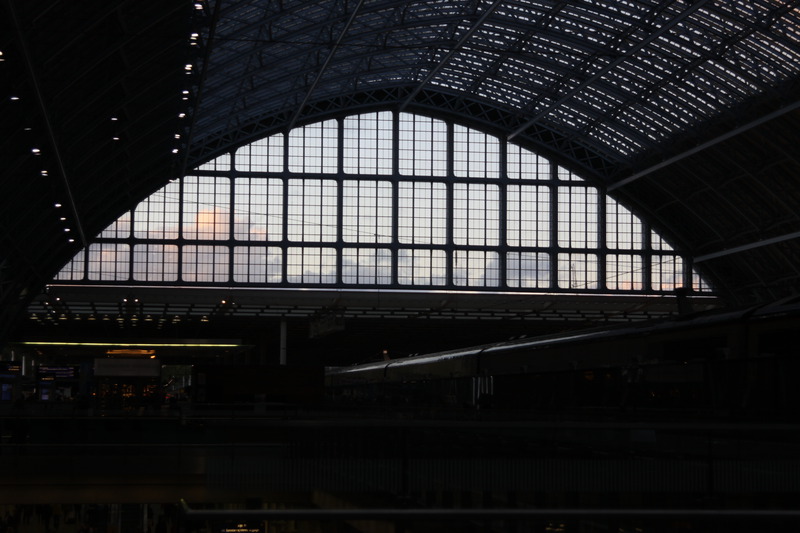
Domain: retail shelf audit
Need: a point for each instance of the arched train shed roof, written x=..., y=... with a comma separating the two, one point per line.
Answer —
x=687, y=111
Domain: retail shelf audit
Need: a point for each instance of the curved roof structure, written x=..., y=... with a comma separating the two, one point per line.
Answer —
x=685, y=110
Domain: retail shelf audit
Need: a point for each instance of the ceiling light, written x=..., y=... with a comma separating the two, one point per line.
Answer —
x=57, y=205
x=36, y=151
x=114, y=138
x=14, y=98
x=181, y=115
x=177, y=135
x=44, y=173
x=70, y=240
x=62, y=219
x=174, y=150
x=66, y=229
x=114, y=119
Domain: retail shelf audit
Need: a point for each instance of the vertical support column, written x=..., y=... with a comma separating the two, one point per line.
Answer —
x=502, y=213
x=282, y=352
x=450, y=246
x=554, y=217
x=602, y=245
x=395, y=195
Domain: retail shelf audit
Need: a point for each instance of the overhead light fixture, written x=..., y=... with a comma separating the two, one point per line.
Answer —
x=130, y=345
x=15, y=98
x=57, y=205
x=35, y=151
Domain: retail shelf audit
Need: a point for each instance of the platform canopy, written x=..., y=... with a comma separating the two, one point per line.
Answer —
x=685, y=111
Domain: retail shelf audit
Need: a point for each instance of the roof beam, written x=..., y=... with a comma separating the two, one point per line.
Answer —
x=48, y=125
x=746, y=247
x=460, y=44
x=324, y=66
x=708, y=144
x=602, y=72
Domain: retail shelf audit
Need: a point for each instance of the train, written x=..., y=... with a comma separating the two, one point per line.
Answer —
x=725, y=363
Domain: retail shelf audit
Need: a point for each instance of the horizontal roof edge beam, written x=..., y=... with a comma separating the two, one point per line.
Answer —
x=746, y=247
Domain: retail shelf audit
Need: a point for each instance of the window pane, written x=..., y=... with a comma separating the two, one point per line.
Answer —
x=312, y=210
x=367, y=144
x=623, y=229
x=528, y=270
x=265, y=155
x=421, y=267
x=109, y=262
x=258, y=209
x=624, y=272
x=475, y=154
x=423, y=146
x=476, y=214
x=120, y=229
x=367, y=211
x=222, y=164
x=311, y=265
x=422, y=213
x=528, y=215
x=524, y=164
x=257, y=264
x=205, y=263
x=476, y=268
x=73, y=271
x=366, y=266
x=156, y=217
x=577, y=217
x=206, y=208
x=577, y=271
x=667, y=272
x=314, y=148
x=155, y=262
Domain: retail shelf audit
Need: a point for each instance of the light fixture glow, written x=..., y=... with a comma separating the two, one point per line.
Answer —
x=133, y=344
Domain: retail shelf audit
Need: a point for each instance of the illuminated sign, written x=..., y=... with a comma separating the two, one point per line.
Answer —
x=56, y=372
x=10, y=369
x=127, y=367
x=242, y=527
